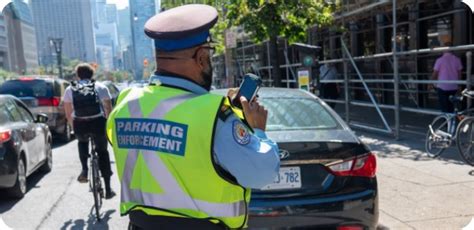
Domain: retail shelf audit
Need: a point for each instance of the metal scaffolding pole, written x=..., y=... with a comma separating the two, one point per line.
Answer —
x=346, y=90
x=270, y=77
x=468, y=75
x=369, y=93
x=396, y=85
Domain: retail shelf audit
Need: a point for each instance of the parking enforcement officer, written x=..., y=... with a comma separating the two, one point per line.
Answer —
x=186, y=159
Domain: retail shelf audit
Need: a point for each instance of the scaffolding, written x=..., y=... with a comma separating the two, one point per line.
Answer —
x=393, y=82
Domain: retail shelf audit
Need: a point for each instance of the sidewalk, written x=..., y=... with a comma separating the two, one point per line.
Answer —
x=417, y=192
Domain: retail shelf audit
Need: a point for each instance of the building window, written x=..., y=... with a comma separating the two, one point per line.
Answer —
x=438, y=32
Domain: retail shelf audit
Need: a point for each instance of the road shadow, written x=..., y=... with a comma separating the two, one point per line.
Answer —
x=409, y=147
x=6, y=202
x=91, y=223
x=57, y=143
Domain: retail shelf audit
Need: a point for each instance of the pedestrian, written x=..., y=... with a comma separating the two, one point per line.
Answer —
x=329, y=90
x=447, y=67
x=186, y=158
x=87, y=105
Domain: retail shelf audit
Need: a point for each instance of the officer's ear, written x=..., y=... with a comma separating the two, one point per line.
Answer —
x=201, y=57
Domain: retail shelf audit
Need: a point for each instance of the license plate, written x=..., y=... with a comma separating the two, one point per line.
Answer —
x=289, y=177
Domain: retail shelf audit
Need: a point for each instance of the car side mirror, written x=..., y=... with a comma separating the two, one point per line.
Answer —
x=41, y=118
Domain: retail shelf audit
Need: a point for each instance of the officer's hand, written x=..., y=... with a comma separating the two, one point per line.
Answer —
x=255, y=114
x=232, y=92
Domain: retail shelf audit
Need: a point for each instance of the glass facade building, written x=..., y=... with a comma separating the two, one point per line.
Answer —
x=140, y=12
x=71, y=20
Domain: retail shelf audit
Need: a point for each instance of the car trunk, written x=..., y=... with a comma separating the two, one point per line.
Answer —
x=306, y=158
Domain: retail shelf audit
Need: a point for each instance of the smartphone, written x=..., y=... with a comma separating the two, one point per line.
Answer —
x=248, y=89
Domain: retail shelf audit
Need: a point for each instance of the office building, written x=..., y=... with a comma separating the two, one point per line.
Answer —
x=22, y=52
x=71, y=20
x=124, y=28
x=111, y=13
x=140, y=12
x=4, y=64
x=106, y=36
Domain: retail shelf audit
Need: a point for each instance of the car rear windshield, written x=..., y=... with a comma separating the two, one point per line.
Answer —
x=297, y=114
x=27, y=88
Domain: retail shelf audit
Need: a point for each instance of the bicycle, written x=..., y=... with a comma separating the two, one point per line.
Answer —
x=465, y=139
x=95, y=184
x=445, y=130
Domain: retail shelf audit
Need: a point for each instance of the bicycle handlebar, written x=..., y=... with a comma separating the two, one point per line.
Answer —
x=468, y=93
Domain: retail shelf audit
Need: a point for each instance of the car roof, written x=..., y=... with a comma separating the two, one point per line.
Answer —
x=269, y=92
x=38, y=77
x=4, y=97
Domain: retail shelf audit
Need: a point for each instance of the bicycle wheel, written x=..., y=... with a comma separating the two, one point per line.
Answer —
x=434, y=144
x=96, y=187
x=465, y=139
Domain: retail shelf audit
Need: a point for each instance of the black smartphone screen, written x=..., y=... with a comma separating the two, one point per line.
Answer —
x=248, y=89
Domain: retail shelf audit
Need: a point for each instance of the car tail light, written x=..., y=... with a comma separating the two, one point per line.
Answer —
x=49, y=101
x=364, y=166
x=350, y=227
x=26, y=79
x=5, y=135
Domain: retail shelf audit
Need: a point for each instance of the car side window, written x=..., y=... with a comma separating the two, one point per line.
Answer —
x=25, y=114
x=5, y=117
x=13, y=110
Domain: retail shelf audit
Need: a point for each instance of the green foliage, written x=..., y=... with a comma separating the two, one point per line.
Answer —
x=4, y=74
x=69, y=67
x=217, y=31
x=287, y=18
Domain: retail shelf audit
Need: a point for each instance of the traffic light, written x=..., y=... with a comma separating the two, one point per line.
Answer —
x=145, y=62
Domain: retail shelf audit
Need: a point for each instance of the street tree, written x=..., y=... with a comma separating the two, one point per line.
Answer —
x=217, y=31
x=269, y=19
x=4, y=75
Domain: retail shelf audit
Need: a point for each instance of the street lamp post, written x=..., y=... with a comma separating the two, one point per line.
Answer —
x=57, y=43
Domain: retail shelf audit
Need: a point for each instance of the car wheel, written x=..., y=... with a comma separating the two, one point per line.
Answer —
x=48, y=164
x=19, y=189
x=67, y=134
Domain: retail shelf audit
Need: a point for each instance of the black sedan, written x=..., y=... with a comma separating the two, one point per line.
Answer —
x=327, y=175
x=25, y=145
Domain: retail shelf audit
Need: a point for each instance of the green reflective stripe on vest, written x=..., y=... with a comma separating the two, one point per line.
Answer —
x=186, y=185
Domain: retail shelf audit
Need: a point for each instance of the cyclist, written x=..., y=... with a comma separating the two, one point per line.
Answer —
x=88, y=104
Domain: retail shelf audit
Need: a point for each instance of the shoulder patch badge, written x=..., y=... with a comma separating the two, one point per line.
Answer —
x=240, y=132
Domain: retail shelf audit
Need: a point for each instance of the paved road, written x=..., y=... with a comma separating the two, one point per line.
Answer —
x=57, y=201
x=415, y=192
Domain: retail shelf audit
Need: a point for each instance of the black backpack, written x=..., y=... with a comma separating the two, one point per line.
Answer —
x=85, y=99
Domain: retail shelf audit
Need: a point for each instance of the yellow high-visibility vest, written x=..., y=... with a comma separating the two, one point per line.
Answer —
x=162, y=140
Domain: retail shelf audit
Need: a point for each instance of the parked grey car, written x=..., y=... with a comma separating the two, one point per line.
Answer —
x=25, y=145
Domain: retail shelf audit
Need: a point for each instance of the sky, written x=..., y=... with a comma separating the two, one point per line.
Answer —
x=121, y=4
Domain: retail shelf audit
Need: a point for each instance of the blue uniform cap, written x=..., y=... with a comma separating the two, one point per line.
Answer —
x=181, y=27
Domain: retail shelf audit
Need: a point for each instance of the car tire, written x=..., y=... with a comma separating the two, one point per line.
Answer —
x=19, y=189
x=48, y=163
x=67, y=136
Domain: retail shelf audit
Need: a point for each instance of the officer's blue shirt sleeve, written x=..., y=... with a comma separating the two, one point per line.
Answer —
x=254, y=162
